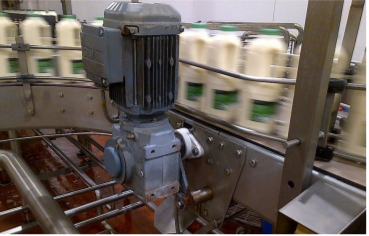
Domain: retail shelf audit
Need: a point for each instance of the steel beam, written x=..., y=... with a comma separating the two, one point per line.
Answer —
x=321, y=31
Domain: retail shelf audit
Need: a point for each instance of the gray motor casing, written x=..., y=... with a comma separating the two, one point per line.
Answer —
x=135, y=53
x=149, y=163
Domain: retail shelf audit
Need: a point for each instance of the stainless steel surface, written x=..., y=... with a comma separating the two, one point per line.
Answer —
x=204, y=222
x=225, y=125
x=351, y=32
x=10, y=139
x=46, y=211
x=312, y=82
x=239, y=75
x=200, y=173
x=75, y=102
x=325, y=208
x=164, y=219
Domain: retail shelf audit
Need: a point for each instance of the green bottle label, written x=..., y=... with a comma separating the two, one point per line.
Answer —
x=13, y=65
x=77, y=67
x=194, y=91
x=262, y=111
x=223, y=100
x=45, y=65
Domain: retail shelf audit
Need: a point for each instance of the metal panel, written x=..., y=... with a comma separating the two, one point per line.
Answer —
x=325, y=208
x=219, y=168
x=321, y=30
x=57, y=106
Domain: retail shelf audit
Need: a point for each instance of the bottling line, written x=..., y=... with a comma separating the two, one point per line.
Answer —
x=160, y=149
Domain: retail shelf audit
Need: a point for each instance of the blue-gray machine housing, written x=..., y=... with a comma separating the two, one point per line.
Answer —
x=135, y=55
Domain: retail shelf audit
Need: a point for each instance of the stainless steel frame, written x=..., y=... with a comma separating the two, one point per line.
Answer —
x=46, y=211
x=54, y=105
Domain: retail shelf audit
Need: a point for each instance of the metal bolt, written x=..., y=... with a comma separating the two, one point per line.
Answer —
x=195, y=151
x=89, y=97
x=130, y=136
x=221, y=145
x=30, y=112
x=101, y=32
x=205, y=212
x=209, y=140
x=142, y=174
x=192, y=130
x=91, y=112
x=209, y=161
x=252, y=162
x=61, y=95
x=227, y=171
x=238, y=153
x=28, y=95
x=180, y=205
x=111, y=101
x=62, y=110
x=179, y=125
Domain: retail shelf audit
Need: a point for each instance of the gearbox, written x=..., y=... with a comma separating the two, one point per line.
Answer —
x=135, y=55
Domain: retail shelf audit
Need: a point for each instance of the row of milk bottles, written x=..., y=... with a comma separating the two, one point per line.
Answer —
x=248, y=104
x=36, y=31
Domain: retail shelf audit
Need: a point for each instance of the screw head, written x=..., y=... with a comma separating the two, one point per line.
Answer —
x=205, y=212
x=252, y=162
x=91, y=112
x=221, y=145
x=142, y=174
x=179, y=125
x=62, y=110
x=61, y=95
x=28, y=95
x=192, y=130
x=227, y=171
x=30, y=111
x=195, y=151
x=209, y=140
x=89, y=96
x=209, y=161
x=101, y=32
x=238, y=153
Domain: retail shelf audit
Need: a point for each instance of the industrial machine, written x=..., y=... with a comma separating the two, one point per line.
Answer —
x=197, y=163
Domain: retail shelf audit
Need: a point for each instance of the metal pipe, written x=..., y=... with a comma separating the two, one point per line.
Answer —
x=93, y=142
x=36, y=78
x=85, y=150
x=240, y=76
x=202, y=195
x=84, y=177
x=103, y=104
x=45, y=47
x=59, y=197
x=109, y=214
x=76, y=210
x=15, y=146
x=204, y=222
x=349, y=156
x=356, y=86
x=97, y=203
x=46, y=211
x=52, y=136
